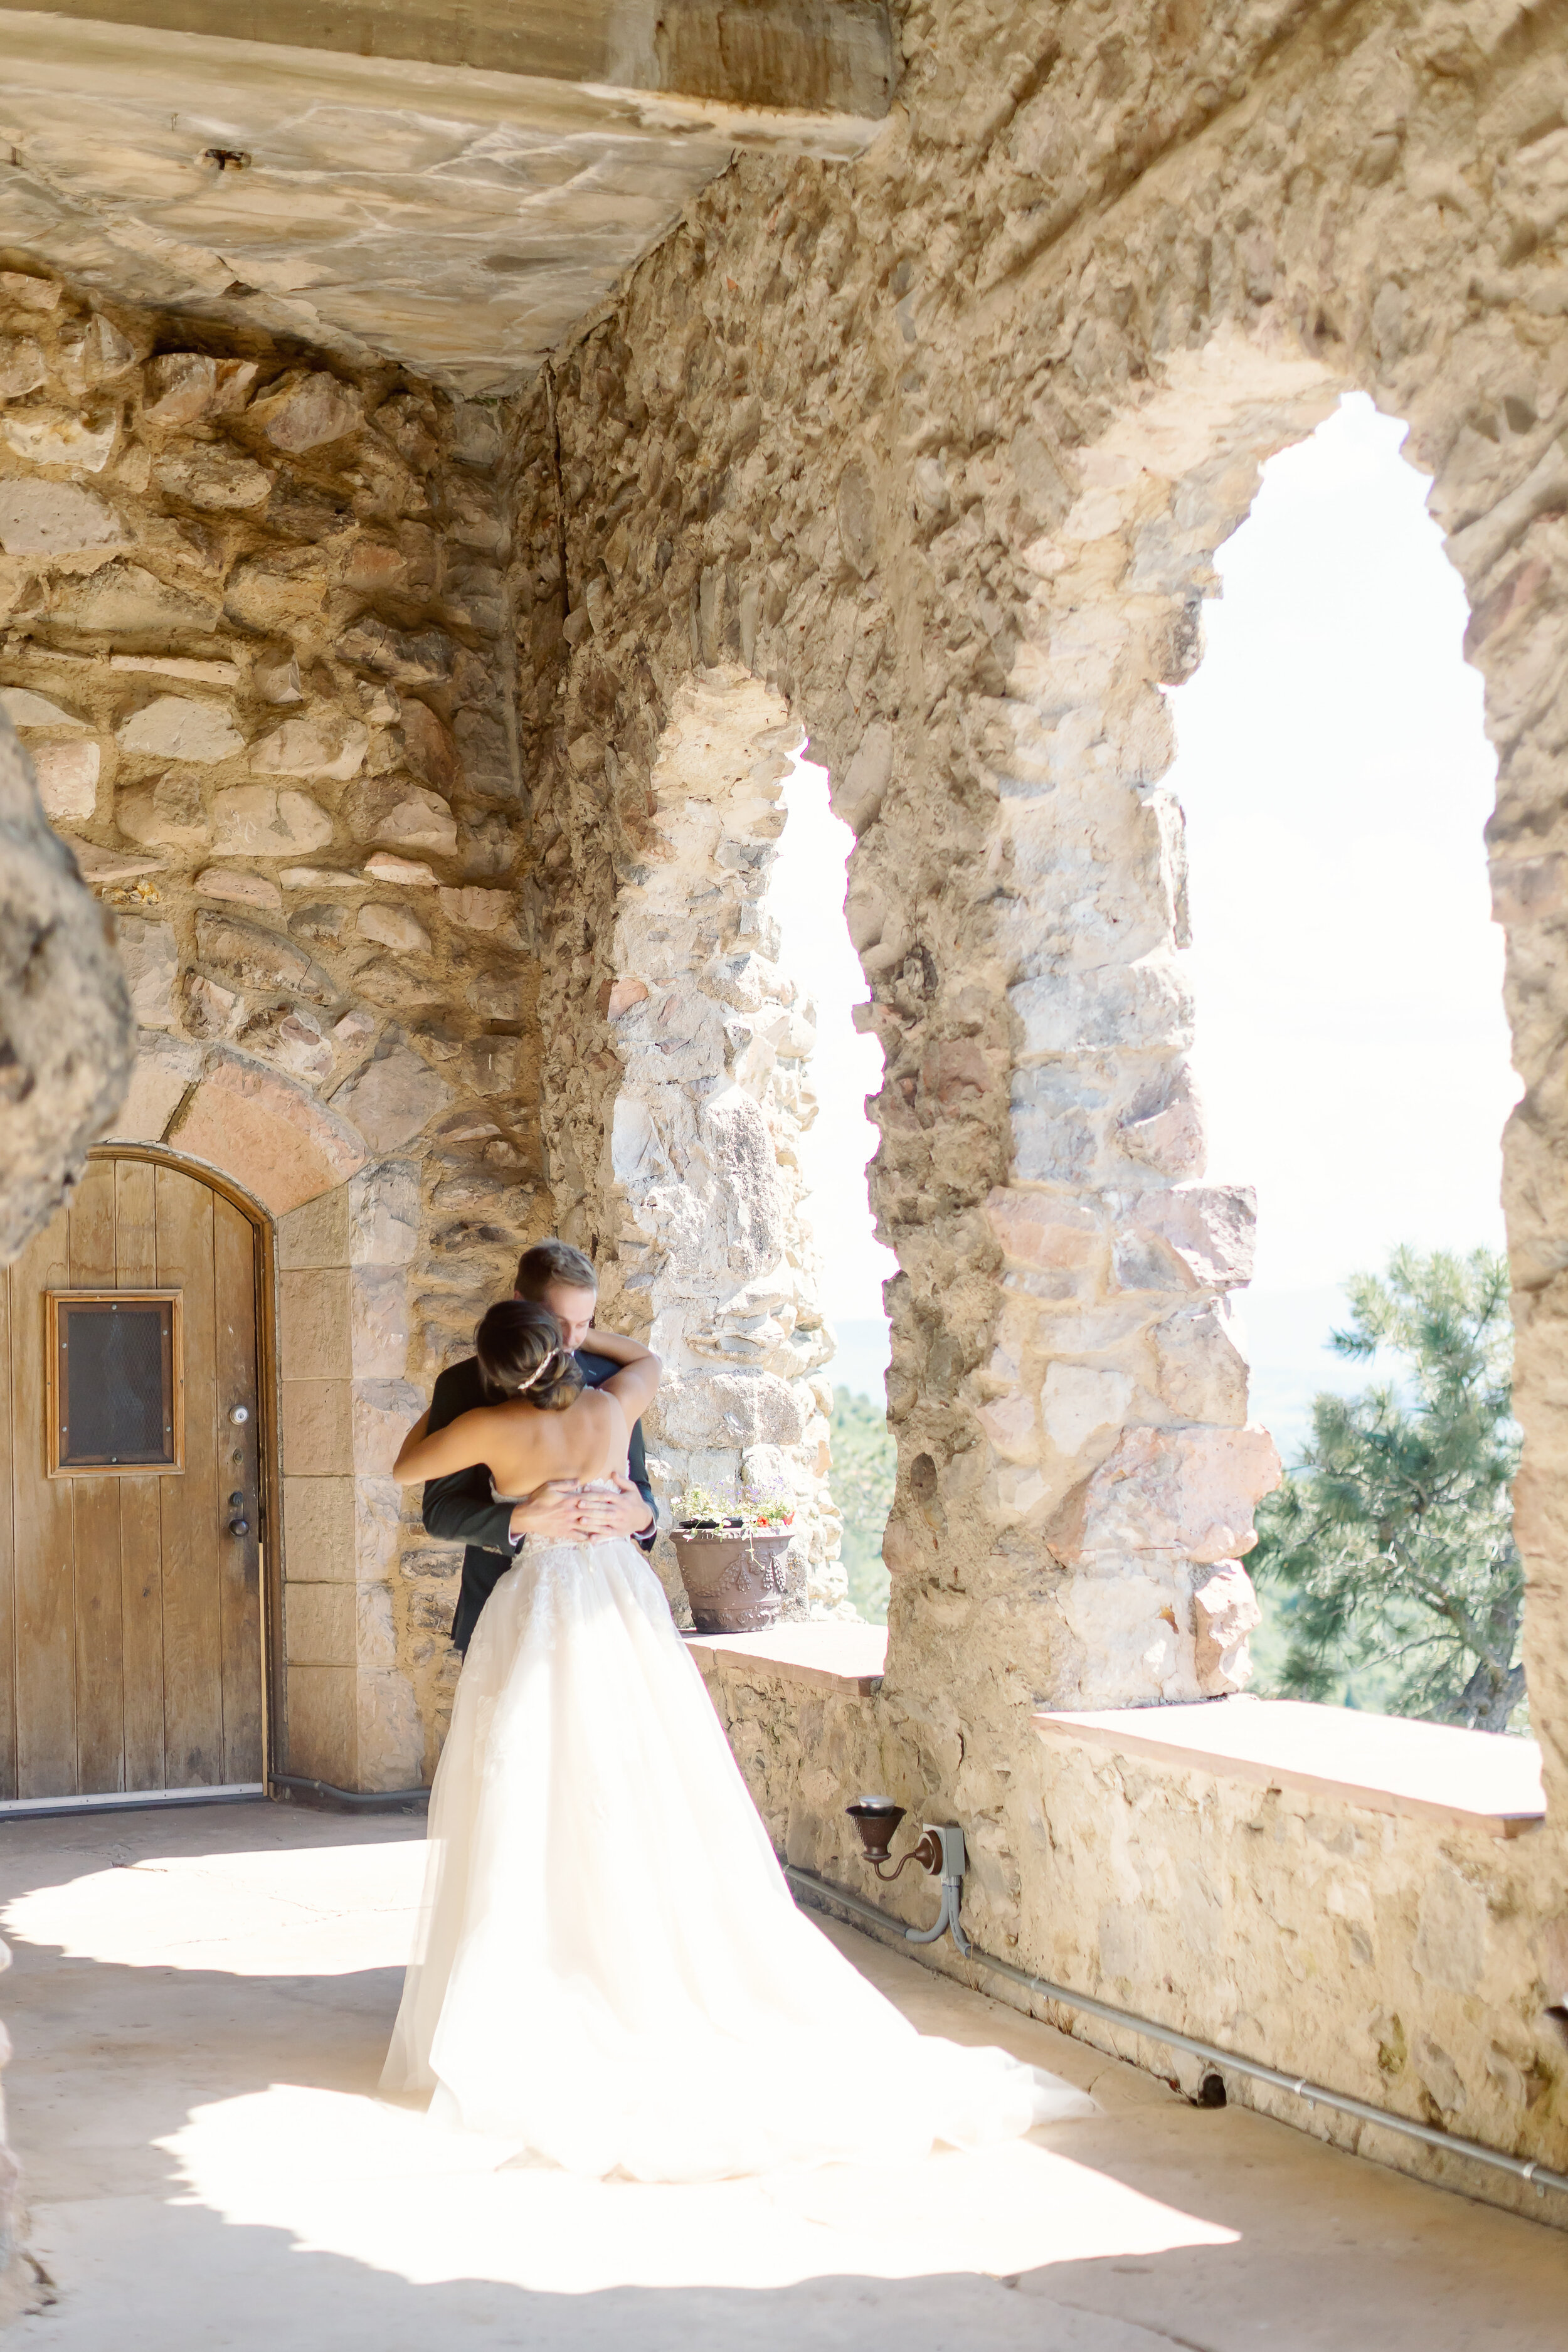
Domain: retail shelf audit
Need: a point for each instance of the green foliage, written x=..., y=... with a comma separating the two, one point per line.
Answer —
x=761, y=1507
x=864, y=1463
x=1392, y=1542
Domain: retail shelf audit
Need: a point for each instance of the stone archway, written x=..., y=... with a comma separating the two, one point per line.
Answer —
x=699, y=1198
x=1114, y=1402
x=959, y=478
x=938, y=446
x=926, y=450
x=1059, y=1318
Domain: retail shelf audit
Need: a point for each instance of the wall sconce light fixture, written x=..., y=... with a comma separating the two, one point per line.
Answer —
x=939, y=1851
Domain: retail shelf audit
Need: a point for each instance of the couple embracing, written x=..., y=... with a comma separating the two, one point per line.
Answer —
x=611, y=1973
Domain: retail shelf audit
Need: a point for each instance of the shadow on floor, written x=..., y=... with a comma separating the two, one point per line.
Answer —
x=113, y=2060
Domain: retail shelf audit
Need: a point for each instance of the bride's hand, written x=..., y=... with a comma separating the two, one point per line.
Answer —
x=553, y=1513
x=623, y=1513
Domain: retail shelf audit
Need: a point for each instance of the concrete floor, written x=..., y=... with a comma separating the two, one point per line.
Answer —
x=199, y=2002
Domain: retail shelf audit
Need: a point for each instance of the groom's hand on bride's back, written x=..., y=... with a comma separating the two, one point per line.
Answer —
x=555, y=1510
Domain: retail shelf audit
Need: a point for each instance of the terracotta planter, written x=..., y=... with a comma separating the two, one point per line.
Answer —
x=736, y=1582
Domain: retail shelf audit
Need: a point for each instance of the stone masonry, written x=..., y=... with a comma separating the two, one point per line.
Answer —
x=709, y=1254
x=938, y=445
x=430, y=753
x=66, y=1038
x=256, y=638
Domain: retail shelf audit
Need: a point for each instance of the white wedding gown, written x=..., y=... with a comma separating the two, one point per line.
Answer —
x=611, y=1973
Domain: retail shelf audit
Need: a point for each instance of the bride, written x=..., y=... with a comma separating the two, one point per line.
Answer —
x=612, y=1974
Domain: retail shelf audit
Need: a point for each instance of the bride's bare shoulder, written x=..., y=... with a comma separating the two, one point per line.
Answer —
x=593, y=1405
x=508, y=1419
x=509, y=1412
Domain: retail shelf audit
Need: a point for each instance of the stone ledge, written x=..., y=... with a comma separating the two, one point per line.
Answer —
x=1424, y=1772
x=831, y=1656
x=788, y=56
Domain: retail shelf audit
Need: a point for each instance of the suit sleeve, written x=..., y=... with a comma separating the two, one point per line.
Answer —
x=637, y=1471
x=461, y=1508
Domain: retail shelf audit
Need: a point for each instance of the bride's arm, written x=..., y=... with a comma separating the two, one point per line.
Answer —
x=615, y=1345
x=458, y=1447
x=632, y=1386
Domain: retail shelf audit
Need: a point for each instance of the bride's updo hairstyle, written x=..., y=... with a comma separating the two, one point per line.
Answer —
x=520, y=1351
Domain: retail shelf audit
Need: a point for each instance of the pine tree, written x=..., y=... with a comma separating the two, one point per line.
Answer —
x=1393, y=1539
x=865, y=1466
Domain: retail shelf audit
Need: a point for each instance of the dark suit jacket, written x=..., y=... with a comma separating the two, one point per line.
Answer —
x=461, y=1510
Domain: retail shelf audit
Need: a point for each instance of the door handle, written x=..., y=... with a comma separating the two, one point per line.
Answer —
x=238, y=1525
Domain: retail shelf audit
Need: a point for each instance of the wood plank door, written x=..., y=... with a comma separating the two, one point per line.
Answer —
x=130, y=1640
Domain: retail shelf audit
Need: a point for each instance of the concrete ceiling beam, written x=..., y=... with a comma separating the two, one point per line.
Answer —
x=805, y=57
x=450, y=216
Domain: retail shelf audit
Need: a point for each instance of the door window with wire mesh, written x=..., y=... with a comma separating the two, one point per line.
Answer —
x=115, y=1383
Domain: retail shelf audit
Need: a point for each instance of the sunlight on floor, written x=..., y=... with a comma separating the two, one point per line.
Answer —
x=346, y=2174
x=292, y=1911
x=352, y=2176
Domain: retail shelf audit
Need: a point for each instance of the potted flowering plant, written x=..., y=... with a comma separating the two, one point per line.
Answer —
x=733, y=1549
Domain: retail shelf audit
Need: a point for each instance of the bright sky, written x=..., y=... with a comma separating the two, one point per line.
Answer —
x=805, y=897
x=1351, y=1047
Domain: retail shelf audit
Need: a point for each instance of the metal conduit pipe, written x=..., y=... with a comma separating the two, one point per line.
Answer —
x=822, y=1892
x=290, y=1786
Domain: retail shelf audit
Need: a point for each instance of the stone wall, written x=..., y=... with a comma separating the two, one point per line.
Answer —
x=927, y=456
x=676, y=1038
x=712, y=1037
x=936, y=447
x=257, y=643
x=66, y=1037
x=1403, y=1961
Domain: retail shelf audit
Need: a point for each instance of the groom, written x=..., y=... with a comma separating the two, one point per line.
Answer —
x=461, y=1508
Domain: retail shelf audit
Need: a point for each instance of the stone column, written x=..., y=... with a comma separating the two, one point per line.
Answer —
x=713, y=1255
x=68, y=1039
x=350, y=1713
x=1077, y=1468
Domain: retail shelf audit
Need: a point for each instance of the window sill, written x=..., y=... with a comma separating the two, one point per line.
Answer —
x=1423, y=1771
x=832, y=1657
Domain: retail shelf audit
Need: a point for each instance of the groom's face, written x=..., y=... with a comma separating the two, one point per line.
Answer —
x=573, y=1309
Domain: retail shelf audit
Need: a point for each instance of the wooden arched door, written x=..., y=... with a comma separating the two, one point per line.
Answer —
x=130, y=1501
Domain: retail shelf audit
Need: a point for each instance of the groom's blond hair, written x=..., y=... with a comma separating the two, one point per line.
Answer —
x=548, y=1263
